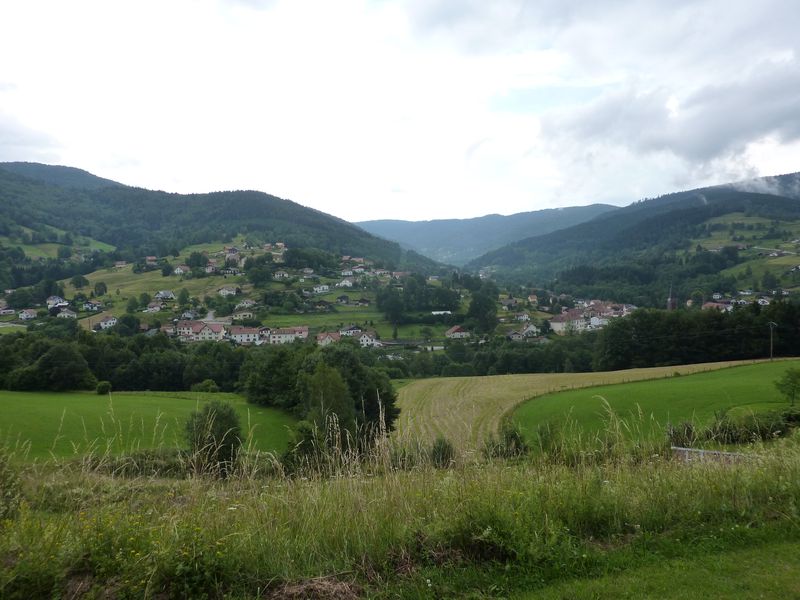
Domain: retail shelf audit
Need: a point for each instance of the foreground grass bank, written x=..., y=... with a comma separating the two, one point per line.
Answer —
x=697, y=398
x=767, y=570
x=50, y=424
x=490, y=529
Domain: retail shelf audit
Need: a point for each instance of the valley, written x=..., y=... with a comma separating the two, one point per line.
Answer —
x=404, y=427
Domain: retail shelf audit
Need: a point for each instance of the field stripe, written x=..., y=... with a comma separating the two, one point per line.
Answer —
x=467, y=409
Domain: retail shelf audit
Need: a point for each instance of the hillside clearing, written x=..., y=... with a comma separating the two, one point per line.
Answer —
x=467, y=409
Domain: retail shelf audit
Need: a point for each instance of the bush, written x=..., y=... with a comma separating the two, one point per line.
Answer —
x=747, y=429
x=10, y=489
x=792, y=416
x=103, y=388
x=510, y=444
x=207, y=385
x=442, y=453
x=213, y=433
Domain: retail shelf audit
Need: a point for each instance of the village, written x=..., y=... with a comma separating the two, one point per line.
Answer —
x=240, y=315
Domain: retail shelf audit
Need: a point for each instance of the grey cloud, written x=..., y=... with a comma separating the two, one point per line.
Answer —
x=478, y=26
x=19, y=142
x=254, y=4
x=711, y=122
x=781, y=186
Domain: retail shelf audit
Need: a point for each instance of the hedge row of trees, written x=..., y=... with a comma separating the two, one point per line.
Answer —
x=647, y=338
x=303, y=379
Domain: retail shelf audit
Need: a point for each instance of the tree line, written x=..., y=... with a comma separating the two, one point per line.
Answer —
x=303, y=379
x=646, y=338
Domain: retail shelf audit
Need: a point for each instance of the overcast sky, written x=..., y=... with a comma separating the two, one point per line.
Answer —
x=415, y=109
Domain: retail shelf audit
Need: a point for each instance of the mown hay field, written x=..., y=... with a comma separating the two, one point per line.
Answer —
x=466, y=410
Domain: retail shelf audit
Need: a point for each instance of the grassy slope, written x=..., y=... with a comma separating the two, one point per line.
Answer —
x=467, y=409
x=761, y=572
x=131, y=285
x=674, y=399
x=73, y=423
x=479, y=531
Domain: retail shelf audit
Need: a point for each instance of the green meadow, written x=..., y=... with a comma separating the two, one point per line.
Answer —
x=11, y=329
x=674, y=399
x=64, y=424
x=771, y=572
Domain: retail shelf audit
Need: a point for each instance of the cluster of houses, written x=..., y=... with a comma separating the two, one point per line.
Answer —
x=744, y=298
x=228, y=261
x=188, y=330
x=365, y=337
x=588, y=315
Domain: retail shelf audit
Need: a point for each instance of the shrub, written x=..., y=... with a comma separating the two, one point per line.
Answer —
x=792, y=416
x=103, y=388
x=207, y=385
x=213, y=433
x=442, y=453
x=510, y=444
x=747, y=429
x=10, y=489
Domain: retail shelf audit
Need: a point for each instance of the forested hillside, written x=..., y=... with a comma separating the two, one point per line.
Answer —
x=59, y=175
x=637, y=252
x=141, y=222
x=457, y=241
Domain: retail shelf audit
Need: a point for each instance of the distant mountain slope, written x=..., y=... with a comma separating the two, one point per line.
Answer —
x=456, y=241
x=59, y=175
x=638, y=243
x=141, y=222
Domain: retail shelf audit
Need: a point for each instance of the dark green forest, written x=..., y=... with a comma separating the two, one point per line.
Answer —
x=636, y=253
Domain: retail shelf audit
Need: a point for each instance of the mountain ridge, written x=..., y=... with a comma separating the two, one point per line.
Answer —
x=457, y=241
x=653, y=243
x=142, y=222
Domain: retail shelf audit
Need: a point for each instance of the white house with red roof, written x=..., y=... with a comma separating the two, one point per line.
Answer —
x=369, y=339
x=326, y=338
x=107, y=322
x=456, y=332
x=245, y=335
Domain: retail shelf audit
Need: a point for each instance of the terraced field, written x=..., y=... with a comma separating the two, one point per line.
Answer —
x=466, y=409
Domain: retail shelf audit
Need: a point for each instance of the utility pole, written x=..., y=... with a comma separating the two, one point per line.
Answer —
x=772, y=327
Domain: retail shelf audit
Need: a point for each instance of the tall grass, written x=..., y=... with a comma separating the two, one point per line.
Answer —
x=365, y=518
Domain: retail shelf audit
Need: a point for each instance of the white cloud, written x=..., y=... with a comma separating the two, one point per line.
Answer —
x=467, y=108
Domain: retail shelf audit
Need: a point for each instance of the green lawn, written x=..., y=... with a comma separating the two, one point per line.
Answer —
x=673, y=399
x=5, y=329
x=344, y=315
x=761, y=572
x=64, y=424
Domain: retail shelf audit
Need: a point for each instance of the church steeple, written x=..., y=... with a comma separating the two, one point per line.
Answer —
x=672, y=303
